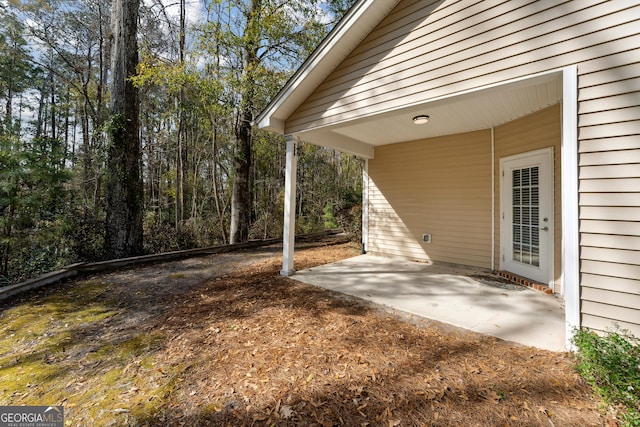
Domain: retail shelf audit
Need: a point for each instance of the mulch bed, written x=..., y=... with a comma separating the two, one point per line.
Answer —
x=267, y=350
x=183, y=346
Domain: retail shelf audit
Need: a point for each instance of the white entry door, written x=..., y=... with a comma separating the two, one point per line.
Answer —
x=526, y=215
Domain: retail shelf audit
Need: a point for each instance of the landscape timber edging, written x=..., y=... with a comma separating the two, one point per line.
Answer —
x=74, y=270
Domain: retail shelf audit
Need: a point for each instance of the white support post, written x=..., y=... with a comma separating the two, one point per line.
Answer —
x=289, y=234
x=365, y=206
x=570, y=231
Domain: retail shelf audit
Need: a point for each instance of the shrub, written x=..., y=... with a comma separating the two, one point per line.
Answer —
x=610, y=363
x=84, y=234
x=349, y=213
x=328, y=217
x=350, y=219
x=159, y=234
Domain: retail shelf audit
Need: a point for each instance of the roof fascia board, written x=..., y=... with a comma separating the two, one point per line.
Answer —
x=331, y=51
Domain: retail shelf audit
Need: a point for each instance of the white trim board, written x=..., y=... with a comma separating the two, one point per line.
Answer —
x=570, y=218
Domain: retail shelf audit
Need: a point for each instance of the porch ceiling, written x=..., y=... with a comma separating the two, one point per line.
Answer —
x=462, y=112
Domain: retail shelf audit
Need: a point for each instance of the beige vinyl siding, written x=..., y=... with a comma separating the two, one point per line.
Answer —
x=609, y=189
x=603, y=323
x=608, y=172
x=420, y=53
x=610, y=230
x=533, y=132
x=440, y=186
x=610, y=241
x=428, y=49
x=612, y=143
x=608, y=227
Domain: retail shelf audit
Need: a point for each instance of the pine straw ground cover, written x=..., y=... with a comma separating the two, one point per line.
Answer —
x=253, y=348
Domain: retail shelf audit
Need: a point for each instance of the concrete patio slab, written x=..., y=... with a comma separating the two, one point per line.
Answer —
x=462, y=296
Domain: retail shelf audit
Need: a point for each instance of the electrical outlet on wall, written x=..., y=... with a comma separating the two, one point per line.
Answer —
x=426, y=238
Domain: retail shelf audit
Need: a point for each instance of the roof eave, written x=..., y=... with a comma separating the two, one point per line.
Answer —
x=363, y=16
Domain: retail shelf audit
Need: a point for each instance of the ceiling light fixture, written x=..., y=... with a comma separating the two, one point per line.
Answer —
x=421, y=119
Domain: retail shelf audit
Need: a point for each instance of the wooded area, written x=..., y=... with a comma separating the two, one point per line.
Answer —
x=205, y=69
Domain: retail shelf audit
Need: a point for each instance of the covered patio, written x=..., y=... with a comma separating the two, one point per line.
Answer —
x=443, y=151
x=448, y=291
x=466, y=297
x=510, y=150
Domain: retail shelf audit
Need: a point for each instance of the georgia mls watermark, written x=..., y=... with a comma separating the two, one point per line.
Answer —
x=31, y=416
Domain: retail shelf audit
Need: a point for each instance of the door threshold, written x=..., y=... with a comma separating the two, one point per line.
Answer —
x=514, y=278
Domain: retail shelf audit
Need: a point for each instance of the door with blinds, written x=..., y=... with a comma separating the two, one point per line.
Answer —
x=526, y=215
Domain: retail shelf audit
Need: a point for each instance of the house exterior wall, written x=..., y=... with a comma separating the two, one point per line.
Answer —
x=425, y=49
x=538, y=130
x=440, y=186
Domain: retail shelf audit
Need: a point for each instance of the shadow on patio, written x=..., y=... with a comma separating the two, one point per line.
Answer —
x=458, y=295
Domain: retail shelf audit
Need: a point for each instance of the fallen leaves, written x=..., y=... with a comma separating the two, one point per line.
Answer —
x=286, y=411
x=491, y=396
x=333, y=360
x=253, y=348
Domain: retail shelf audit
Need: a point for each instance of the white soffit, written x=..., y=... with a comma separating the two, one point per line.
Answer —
x=466, y=112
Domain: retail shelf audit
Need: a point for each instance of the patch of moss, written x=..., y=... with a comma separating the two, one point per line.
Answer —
x=59, y=350
x=147, y=407
x=147, y=362
x=23, y=381
x=129, y=349
x=45, y=326
x=211, y=409
x=178, y=276
x=94, y=402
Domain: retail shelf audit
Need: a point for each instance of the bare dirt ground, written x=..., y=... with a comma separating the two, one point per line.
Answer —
x=224, y=340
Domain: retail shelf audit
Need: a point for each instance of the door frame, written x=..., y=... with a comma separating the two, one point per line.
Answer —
x=545, y=273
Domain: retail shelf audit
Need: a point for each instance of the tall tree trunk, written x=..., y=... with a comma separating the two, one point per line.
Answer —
x=9, y=107
x=39, y=123
x=99, y=114
x=101, y=68
x=179, y=172
x=241, y=193
x=86, y=153
x=8, y=119
x=52, y=88
x=181, y=157
x=216, y=177
x=124, y=184
x=6, y=245
x=67, y=114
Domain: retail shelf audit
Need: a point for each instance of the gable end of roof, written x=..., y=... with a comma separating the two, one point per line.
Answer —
x=357, y=23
